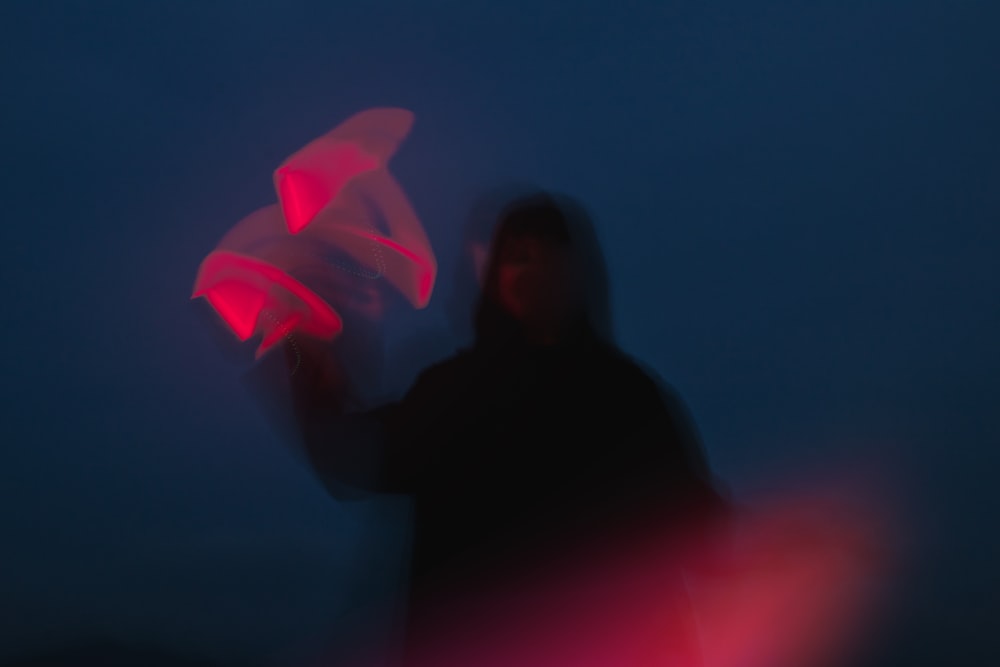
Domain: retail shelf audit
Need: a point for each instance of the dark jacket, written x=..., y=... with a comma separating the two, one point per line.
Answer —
x=513, y=453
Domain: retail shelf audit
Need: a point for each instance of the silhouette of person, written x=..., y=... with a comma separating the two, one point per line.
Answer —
x=539, y=438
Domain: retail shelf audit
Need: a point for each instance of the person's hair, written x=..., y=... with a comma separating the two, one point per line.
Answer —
x=535, y=216
x=562, y=222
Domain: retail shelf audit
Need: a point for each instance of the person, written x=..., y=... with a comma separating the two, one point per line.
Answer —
x=540, y=438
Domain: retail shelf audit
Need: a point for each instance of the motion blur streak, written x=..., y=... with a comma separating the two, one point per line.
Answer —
x=339, y=212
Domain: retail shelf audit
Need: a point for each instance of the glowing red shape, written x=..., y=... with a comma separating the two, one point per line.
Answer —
x=342, y=218
x=313, y=177
x=325, y=189
x=253, y=296
x=403, y=257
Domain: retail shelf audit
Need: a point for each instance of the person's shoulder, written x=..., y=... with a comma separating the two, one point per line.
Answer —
x=440, y=384
x=641, y=378
x=460, y=364
x=628, y=368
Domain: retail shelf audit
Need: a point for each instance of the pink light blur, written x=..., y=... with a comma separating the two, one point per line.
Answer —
x=312, y=179
x=786, y=585
x=253, y=296
x=271, y=274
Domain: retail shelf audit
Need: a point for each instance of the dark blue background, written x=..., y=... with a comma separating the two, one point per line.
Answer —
x=799, y=204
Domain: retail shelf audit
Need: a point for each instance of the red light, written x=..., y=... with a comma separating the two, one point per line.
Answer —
x=789, y=586
x=411, y=271
x=312, y=178
x=324, y=192
x=253, y=296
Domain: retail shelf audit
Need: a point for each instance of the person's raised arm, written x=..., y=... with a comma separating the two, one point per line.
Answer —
x=381, y=449
x=344, y=446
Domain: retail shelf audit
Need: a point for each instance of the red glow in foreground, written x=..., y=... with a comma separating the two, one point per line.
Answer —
x=251, y=295
x=788, y=586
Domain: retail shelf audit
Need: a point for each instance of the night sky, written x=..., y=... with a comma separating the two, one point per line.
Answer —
x=799, y=204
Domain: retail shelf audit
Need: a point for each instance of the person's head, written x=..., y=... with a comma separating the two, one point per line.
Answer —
x=534, y=282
